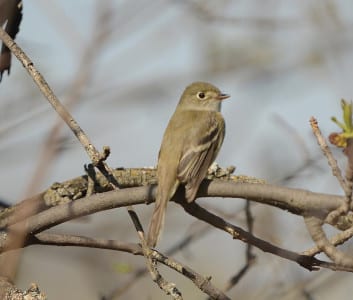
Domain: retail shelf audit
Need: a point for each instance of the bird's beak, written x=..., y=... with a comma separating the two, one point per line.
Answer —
x=223, y=96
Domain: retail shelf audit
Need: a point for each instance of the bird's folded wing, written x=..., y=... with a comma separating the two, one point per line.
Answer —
x=197, y=158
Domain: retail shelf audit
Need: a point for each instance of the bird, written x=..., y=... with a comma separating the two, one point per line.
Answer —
x=11, y=15
x=190, y=144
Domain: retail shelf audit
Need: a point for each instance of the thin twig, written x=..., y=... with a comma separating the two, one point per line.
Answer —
x=336, y=171
x=43, y=86
x=314, y=226
x=139, y=273
x=348, y=151
x=249, y=256
x=8, y=264
x=336, y=240
x=97, y=158
x=167, y=287
x=83, y=75
x=203, y=283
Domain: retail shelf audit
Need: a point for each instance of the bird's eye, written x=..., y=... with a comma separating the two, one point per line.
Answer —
x=201, y=95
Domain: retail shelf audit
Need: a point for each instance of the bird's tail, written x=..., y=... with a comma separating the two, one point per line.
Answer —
x=157, y=223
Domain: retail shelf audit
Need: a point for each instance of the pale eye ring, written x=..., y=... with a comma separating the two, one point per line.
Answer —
x=201, y=95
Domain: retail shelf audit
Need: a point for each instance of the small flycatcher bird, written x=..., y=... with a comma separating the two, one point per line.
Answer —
x=190, y=144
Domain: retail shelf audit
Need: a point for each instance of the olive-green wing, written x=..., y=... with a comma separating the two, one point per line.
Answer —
x=199, y=154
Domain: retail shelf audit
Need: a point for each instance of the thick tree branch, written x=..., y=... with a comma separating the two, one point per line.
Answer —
x=139, y=195
x=296, y=201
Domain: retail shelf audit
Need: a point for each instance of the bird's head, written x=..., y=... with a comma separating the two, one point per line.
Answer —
x=202, y=96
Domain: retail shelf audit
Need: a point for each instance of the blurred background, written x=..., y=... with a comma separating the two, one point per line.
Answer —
x=120, y=67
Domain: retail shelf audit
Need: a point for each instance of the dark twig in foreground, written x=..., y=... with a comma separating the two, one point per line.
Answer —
x=249, y=256
x=310, y=263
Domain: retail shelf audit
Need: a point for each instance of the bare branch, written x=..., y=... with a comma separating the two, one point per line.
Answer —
x=139, y=273
x=238, y=233
x=249, y=256
x=314, y=226
x=336, y=171
x=296, y=201
x=336, y=240
x=203, y=283
x=50, y=96
x=139, y=195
